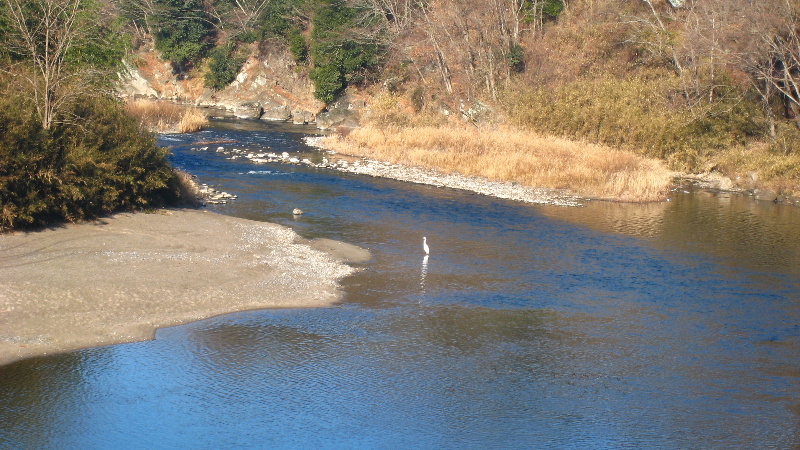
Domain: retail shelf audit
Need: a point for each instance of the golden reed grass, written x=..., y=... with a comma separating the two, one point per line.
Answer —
x=165, y=117
x=511, y=155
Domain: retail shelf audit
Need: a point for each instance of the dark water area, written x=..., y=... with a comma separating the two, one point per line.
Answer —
x=667, y=325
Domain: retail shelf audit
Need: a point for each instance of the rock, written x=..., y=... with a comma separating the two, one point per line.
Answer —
x=765, y=195
x=301, y=117
x=345, y=112
x=338, y=117
x=247, y=111
x=280, y=112
x=477, y=112
x=297, y=212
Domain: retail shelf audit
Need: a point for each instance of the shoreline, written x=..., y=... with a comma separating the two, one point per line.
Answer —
x=478, y=185
x=363, y=166
x=118, y=279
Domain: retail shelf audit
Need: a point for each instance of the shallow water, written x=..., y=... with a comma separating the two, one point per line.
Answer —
x=663, y=325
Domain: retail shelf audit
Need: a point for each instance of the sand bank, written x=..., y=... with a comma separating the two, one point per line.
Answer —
x=118, y=279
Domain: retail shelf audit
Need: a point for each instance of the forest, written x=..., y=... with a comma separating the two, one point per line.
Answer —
x=704, y=85
x=670, y=78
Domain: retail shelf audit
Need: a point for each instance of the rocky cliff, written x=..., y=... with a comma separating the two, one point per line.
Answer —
x=270, y=86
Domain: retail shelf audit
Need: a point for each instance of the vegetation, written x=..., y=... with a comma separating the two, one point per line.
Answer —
x=506, y=154
x=166, y=117
x=702, y=86
x=73, y=172
x=67, y=150
x=224, y=64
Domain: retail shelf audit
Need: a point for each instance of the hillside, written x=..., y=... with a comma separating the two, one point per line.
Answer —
x=704, y=86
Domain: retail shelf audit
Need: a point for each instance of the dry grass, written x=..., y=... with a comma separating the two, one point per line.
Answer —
x=166, y=117
x=192, y=120
x=189, y=191
x=778, y=172
x=512, y=155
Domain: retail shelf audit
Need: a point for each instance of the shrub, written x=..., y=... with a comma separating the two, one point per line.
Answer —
x=100, y=163
x=328, y=82
x=183, y=32
x=297, y=46
x=333, y=49
x=635, y=113
x=224, y=64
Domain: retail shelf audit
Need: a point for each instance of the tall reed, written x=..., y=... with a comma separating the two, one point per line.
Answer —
x=165, y=117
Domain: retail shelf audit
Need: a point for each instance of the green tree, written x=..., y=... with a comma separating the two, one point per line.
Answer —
x=340, y=44
x=224, y=64
x=183, y=33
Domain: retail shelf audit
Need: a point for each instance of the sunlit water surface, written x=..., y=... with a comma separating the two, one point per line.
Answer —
x=665, y=325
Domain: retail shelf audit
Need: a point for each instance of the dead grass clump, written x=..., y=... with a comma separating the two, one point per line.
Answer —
x=513, y=155
x=188, y=190
x=166, y=117
x=777, y=171
x=192, y=120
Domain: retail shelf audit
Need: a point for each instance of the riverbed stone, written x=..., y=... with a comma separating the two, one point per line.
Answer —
x=301, y=117
x=765, y=195
x=277, y=113
x=248, y=111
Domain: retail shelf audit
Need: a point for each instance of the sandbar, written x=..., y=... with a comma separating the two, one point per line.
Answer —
x=120, y=278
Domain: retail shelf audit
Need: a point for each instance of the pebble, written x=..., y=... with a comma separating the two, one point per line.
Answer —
x=506, y=190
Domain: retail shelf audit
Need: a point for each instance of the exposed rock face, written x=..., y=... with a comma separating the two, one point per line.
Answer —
x=343, y=113
x=249, y=110
x=268, y=87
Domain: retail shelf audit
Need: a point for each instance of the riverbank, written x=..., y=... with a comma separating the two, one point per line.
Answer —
x=513, y=157
x=120, y=278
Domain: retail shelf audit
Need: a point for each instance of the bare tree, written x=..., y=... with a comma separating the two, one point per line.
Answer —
x=140, y=14
x=781, y=67
x=248, y=12
x=42, y=33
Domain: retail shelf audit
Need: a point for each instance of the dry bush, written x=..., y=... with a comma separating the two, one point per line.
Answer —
x=188, y=190
x=777, y=171
x=166, y=117
x=192, y=120
x=513, y=155
x=644, y=114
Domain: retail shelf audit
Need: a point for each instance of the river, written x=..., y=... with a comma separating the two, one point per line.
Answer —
x=665, y=325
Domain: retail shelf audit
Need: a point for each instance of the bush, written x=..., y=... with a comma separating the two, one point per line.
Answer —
x=328, y=82
x=297, y=46
x=334, y=50
x=224, y=64
x=183, y=32
x=102, y=164
x=634, y=113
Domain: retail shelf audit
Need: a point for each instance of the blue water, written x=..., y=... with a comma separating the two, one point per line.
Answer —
x=666, y=325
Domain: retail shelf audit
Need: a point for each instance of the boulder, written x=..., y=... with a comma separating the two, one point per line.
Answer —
x=345, y=112
x=765, y=195
x=279, y=112
x=336, y=117
x=300, y=117
x=248, y=111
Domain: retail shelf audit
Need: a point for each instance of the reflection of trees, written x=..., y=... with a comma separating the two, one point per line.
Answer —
x=753, y=234
x=39, y=396
x=254, y=344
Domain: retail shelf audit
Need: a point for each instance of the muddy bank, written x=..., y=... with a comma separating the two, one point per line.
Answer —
x=118, y=279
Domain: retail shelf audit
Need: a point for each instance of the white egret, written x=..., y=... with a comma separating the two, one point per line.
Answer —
x=425, y=245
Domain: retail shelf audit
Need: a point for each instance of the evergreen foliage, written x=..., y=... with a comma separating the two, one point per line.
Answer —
x=297, y=46
x=280, y=17
x=552, y=8
x=339, y=57
x=224, y=64
x=183, y=32
x=70, y=172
